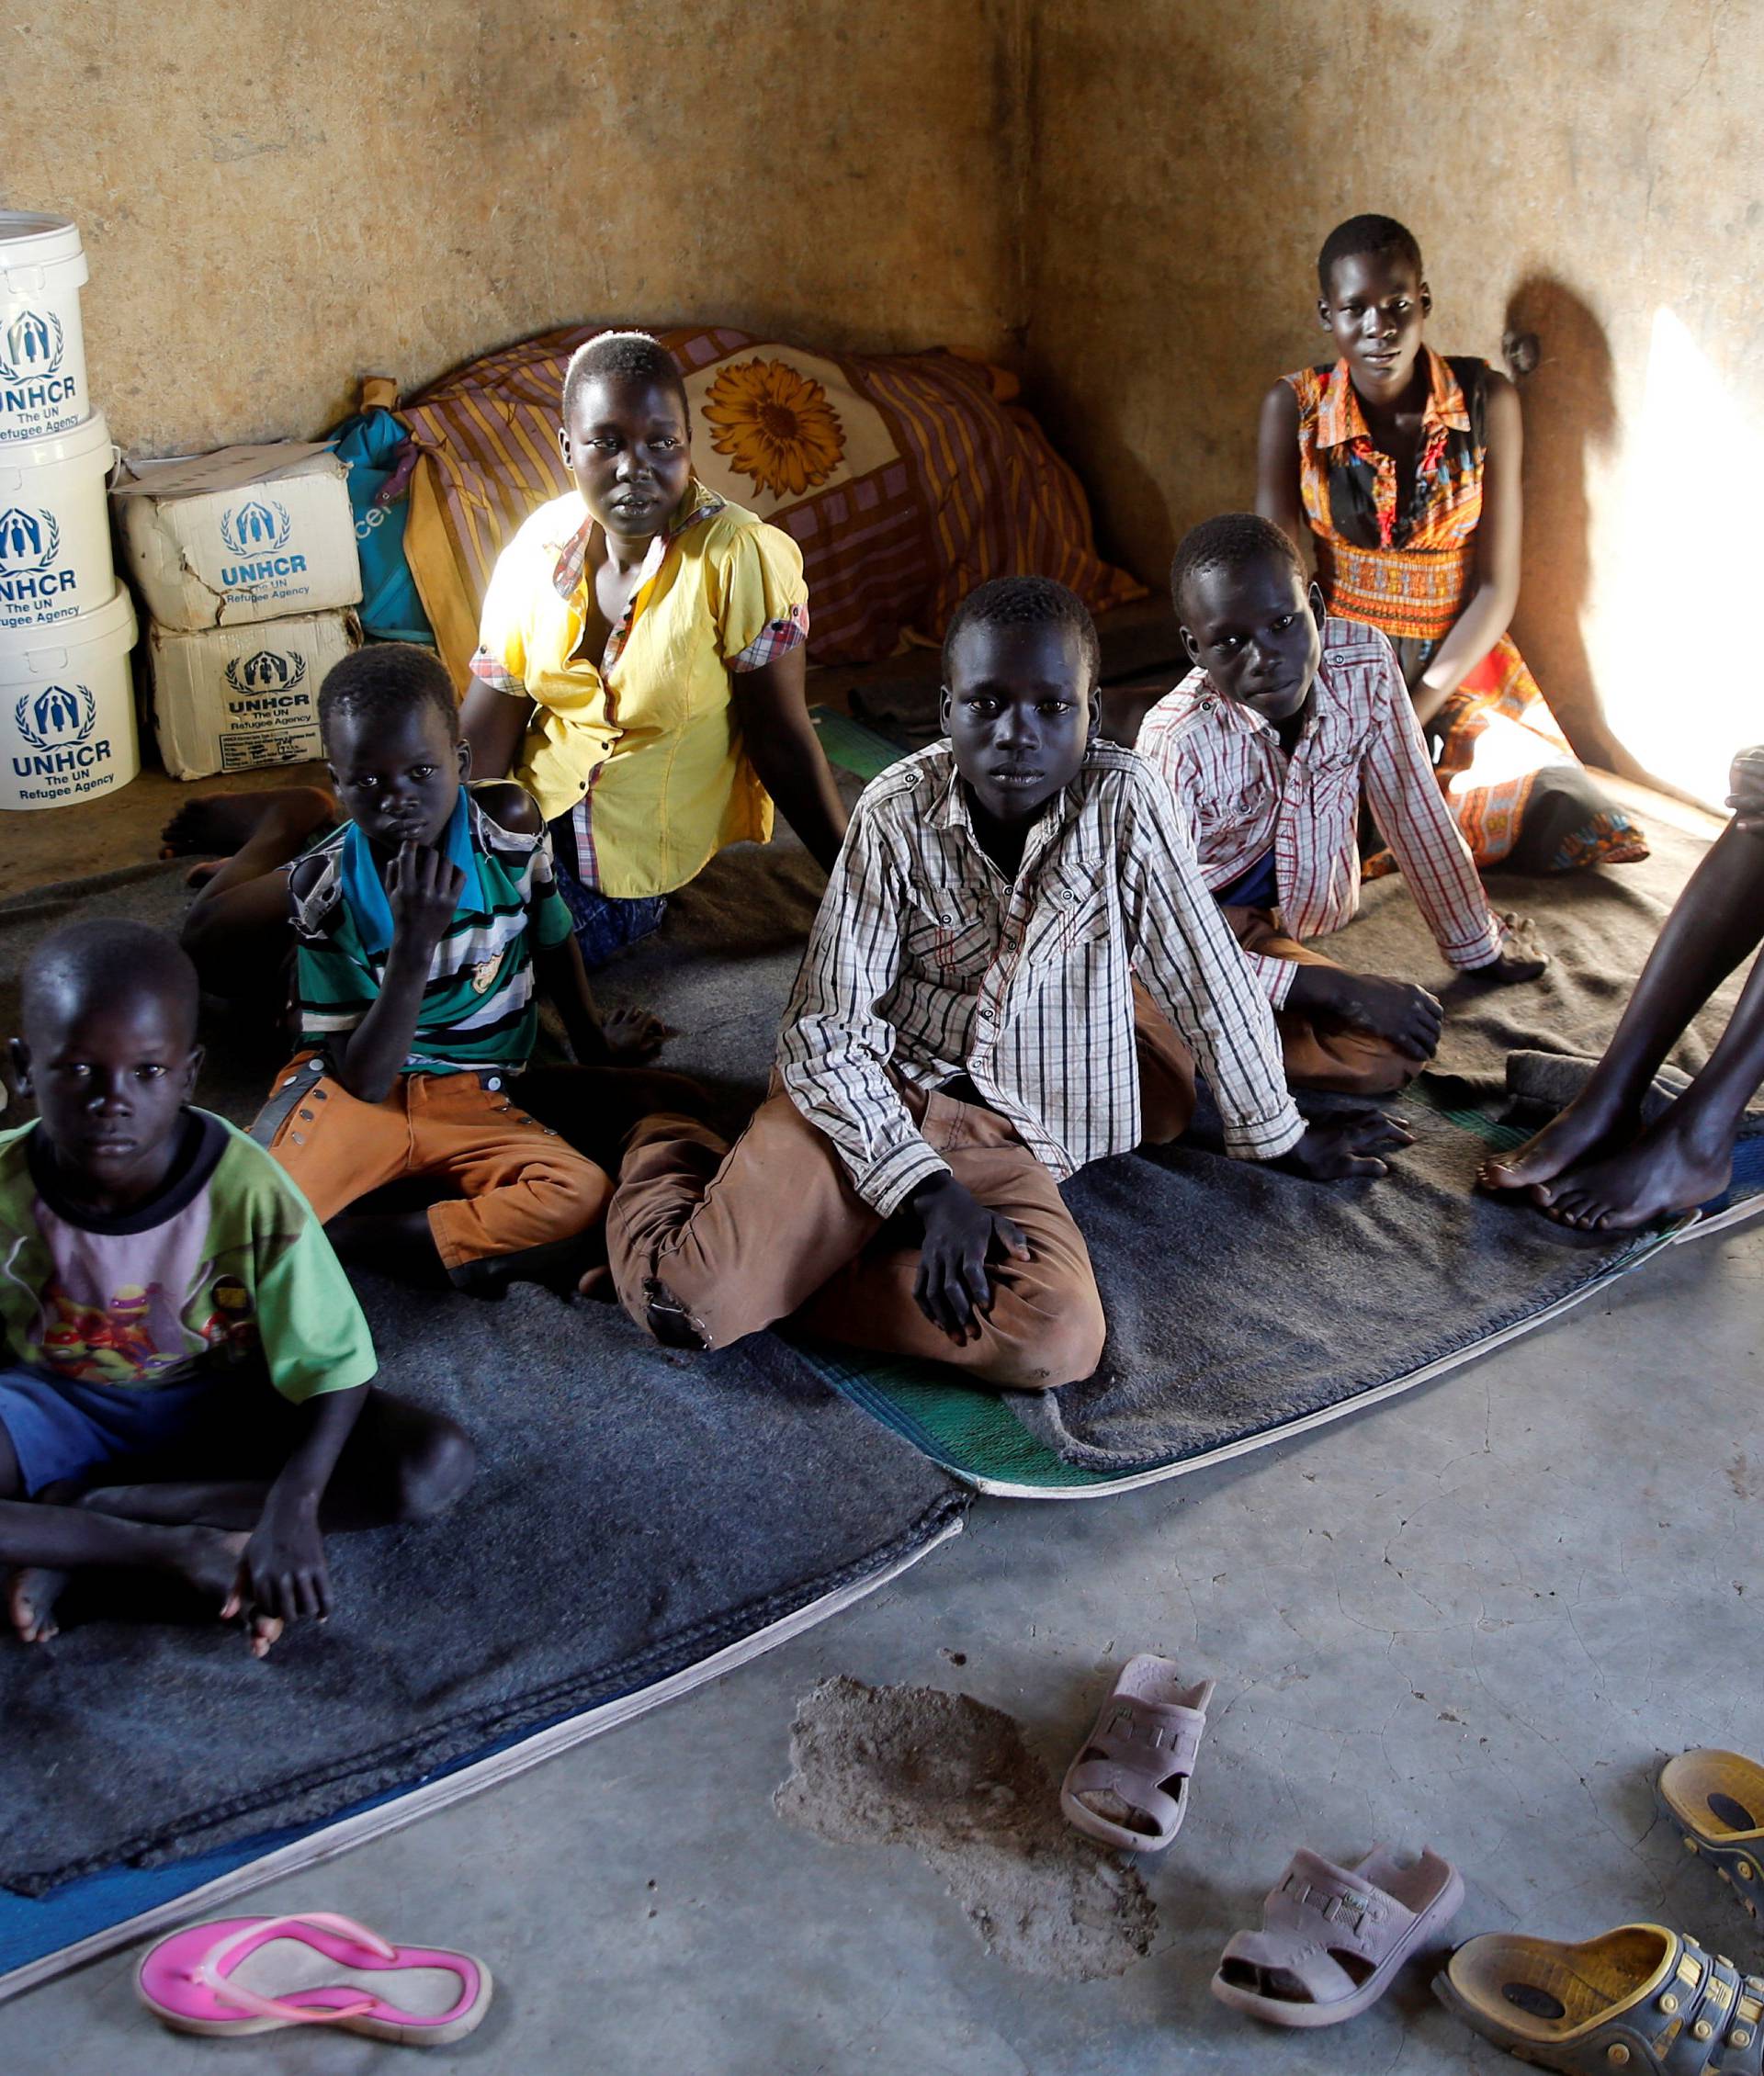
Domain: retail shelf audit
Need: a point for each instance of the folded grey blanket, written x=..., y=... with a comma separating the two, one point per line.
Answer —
x=1550, y=1082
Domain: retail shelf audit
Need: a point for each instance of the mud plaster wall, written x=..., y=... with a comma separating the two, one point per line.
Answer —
x=1126, y=198
x=277, y=199
x=1573, y=171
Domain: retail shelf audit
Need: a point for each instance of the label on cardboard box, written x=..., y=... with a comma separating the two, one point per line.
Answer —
x=250, y=533
x=230, y=699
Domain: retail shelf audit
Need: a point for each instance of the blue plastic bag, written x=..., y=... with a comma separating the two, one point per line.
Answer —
x=380, y=455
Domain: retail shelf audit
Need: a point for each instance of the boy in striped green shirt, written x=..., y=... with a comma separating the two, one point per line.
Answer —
x=425, y=928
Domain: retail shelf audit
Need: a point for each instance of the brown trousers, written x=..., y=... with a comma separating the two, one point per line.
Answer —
x=1321, y=1051
x=771, y=1228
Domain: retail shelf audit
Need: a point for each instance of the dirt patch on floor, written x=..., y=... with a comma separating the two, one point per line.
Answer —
x=952, y=1778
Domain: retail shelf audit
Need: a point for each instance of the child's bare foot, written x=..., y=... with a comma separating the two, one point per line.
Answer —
x=207, y=1560
x=215, y=825
x=1586, y=1127
x=1662, y=1175
x=261, y=1630
x=31, y=1594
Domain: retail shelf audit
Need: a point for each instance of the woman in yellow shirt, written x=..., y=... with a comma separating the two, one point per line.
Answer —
x=640, y=672
x=641, y=663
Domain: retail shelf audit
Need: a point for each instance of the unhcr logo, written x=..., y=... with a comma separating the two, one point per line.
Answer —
x=31, y=344
x=29, y=540
x=57, y=718
x=55, y=726
x=256, y=532
x=252, y=527
x=268, y=671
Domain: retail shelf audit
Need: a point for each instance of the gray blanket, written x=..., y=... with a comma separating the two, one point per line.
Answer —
x=635, y=1510
x=1240, y=1299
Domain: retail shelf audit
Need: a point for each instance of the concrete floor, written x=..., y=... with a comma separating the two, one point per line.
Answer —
x=1477, y=1617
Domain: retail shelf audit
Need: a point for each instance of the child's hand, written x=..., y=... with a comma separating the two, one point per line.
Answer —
x=1349, y=1147
x=1398, y=1009
x=283, y=1573
x=953, y=1286
x=423, y=889
x=1523, y=956
x=1746, y=799
x=632, y=1036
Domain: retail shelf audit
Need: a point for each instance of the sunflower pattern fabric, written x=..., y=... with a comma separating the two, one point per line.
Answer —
x=1402, y=557
x=776, y=424
x=905, y=479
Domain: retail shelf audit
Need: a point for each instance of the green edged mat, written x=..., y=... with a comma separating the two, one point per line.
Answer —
x=852, y=746
x=977, y=1435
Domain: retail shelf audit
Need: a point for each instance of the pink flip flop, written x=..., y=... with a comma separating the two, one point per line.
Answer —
x=1141, y=1753
x=189, y=1980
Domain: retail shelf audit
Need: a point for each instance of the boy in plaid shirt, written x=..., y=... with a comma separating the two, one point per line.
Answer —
x=967, y=1031
x=1267, y=745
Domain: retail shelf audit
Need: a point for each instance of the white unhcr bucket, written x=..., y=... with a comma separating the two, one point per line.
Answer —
x=67, y=708
x=55, y=558
x=42, y=346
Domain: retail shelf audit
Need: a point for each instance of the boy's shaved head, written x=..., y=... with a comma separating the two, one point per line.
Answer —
x=108, y=1052
x=1359, y=234
x=103, y=962
x=1233, y=542
x=632, y=356
x=384, y=681
x=1025, y=602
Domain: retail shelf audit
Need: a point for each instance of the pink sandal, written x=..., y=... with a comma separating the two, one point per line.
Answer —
x=189, y=1980
x=1141, y=1753
x=1333, y=1938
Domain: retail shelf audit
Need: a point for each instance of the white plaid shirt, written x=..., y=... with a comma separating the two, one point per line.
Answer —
x=924, y=963
x=1243, y=796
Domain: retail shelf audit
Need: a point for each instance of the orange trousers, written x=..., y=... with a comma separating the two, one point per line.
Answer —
x=520, y=1186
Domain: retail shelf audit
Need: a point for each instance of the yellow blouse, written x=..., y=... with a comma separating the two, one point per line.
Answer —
x=643, y=751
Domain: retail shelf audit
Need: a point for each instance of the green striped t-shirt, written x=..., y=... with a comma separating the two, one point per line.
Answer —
x=477, y=1007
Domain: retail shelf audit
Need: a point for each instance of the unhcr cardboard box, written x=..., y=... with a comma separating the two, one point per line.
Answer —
x=217, y=540
x=230, y=699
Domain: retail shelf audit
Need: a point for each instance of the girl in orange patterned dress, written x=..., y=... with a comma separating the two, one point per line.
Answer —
x=1406, y=467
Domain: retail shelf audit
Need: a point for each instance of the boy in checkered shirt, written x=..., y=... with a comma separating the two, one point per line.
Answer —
x=1015, y=971
x=1269, y=744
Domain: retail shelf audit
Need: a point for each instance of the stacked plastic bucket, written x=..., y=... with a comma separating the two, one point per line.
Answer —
x=67, y=712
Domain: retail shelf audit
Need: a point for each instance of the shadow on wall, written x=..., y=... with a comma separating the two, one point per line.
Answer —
x=1130, y=509
x=1557, y=352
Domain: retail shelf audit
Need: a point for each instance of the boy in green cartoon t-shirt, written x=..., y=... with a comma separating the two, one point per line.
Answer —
x=173, y=1317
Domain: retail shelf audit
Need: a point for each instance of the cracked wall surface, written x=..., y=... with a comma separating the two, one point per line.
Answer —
x=276, y=200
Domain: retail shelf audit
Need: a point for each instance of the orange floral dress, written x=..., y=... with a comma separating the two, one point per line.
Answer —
x=1406, y=564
